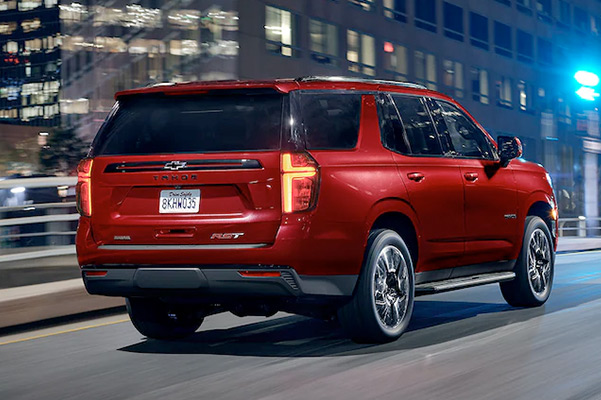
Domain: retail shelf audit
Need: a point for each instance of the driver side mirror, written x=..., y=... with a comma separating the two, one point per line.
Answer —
x=509, y=148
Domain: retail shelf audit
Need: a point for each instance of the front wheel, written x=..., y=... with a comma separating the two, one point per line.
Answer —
x=534, y=267
x=158, y=320
x=382, y=304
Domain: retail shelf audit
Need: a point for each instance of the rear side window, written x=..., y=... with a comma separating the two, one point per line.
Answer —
x=154, y=124
x=330, y=121
x=391, y=127
x=419, y=130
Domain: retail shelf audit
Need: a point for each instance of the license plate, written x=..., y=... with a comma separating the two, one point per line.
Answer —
x=179, y=201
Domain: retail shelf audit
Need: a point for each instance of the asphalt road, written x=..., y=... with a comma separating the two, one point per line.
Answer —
x=462, y=345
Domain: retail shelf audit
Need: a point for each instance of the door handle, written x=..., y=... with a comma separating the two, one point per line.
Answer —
x=471, y=176
x=416, y=176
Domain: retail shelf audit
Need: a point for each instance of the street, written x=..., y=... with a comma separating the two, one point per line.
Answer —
x=461, y=345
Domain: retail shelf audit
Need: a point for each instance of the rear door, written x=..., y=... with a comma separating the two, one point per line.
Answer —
x=433, y=182
x=189, y=169
x=491, y=225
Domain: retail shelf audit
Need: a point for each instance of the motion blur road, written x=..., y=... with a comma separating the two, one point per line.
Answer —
x=463, y=345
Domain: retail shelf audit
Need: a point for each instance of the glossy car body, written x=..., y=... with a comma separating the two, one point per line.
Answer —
x=459, y=216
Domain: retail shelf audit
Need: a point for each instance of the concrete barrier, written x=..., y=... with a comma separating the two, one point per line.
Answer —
x=33, y=303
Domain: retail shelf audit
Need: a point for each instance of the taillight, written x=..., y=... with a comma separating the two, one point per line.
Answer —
x=84, y=187
x=299, y=182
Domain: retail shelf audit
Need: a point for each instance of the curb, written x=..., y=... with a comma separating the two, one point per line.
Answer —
x=27, y=304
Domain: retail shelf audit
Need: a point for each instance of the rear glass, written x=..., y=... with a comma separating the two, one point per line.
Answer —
x=331, y=121
x=153, y=124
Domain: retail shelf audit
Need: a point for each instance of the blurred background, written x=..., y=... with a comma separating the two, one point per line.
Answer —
x=512, y=63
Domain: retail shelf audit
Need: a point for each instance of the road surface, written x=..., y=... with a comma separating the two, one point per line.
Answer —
x=461, y=345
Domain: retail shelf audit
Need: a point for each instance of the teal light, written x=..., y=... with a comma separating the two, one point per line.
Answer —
x=587, y=93
x=586, y=78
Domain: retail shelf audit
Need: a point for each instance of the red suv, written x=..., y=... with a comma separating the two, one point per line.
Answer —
x=317, y=196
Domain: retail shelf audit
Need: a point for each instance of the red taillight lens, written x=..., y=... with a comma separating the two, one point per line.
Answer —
x=299, y=182
x=84, y=187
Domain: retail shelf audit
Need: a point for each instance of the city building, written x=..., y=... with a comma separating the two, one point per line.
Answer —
x=510, y=62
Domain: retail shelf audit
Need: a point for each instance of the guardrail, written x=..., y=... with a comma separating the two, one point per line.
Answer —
x=580, y=227
x=37, y=212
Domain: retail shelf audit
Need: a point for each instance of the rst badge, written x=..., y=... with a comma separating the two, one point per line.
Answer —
x=226, y=236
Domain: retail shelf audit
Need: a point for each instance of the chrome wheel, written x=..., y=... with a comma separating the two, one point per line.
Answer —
x=390, y=287
x=539, y=262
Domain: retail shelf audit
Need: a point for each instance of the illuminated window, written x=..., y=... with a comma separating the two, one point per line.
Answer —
x=107, y=44
x=525, y=96
x=7, y=28
x=361, y=52
x=73, y=12
x=26, y=5
x=395, y=59
x=50, y=3
x=480, y=89
x=504, y=95
x=11, y=47
x=78, y=106
x=184, y=47
x=184, y=19
x=149, y=46
x=453, y=77
x=8, y=5
x=33, y=45
x=395, y=9
x=279, y=31
x=31, y=25
x=425, y=69
x=324, y=42
x=367, y=5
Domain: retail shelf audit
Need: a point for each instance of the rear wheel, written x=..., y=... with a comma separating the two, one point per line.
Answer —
x=158, y=320
x=534, y=267
x=382, y=304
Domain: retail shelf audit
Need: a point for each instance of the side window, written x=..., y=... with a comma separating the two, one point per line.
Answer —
x=459, y=134
x=331, y=121
x=391, y=127
x=419, y=129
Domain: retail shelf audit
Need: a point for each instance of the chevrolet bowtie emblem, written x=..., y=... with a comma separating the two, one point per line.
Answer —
x=175, y=165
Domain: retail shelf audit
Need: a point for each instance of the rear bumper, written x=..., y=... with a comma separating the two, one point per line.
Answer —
x=211, y=282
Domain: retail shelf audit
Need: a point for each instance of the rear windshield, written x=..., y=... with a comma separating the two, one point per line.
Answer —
x=216, y=122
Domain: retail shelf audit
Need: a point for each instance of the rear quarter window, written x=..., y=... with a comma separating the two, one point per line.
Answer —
x=330, y=121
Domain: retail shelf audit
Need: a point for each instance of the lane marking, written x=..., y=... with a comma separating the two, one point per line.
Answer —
x=63, y=332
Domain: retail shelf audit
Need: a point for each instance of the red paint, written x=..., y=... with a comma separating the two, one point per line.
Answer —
x=457, y=206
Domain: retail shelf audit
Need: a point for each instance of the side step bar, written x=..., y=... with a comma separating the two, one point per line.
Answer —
x=462, y=283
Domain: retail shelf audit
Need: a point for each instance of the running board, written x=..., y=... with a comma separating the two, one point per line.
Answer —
x=462, y=283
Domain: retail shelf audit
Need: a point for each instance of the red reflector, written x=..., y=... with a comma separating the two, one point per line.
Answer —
x=95, y=273
x=260, y=274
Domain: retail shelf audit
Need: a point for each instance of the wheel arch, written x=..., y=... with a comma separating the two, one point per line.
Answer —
x=541, y=205
x=399, y=216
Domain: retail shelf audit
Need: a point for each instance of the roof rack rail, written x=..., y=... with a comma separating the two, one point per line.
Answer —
x=363, y=80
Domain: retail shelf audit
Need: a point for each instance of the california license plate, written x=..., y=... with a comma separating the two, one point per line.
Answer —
x=179, y=201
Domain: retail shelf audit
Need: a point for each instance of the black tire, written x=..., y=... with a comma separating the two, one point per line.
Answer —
x=158, y=320
x=360, y=317
x=523, y=291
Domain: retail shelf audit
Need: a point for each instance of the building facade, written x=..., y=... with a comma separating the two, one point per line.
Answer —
x=510, y=62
